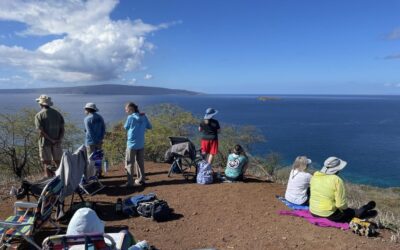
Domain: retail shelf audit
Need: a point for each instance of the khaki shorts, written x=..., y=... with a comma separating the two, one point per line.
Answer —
x=51, y=152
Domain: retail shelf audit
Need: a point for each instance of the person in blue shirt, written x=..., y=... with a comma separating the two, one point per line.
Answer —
x=95, y=129
x=136, y=125
x=236, y=165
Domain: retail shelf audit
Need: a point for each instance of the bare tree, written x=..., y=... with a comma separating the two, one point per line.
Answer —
x=18, y=142
x=19, y=148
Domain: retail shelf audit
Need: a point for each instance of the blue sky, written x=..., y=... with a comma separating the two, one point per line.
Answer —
x=212, y=46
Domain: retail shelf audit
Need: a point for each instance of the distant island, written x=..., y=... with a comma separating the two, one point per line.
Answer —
x=103, y=89
x=267, y=98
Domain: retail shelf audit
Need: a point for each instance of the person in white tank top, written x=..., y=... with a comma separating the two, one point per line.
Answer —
x=298, y=187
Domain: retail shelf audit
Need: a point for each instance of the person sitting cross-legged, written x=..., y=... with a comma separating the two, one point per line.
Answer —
x=236, y=165
x=328, y=195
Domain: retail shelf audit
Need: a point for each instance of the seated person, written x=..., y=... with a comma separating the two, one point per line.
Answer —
x=85, y=220
x=236, y=165
x=298, y=187
x=328, y=195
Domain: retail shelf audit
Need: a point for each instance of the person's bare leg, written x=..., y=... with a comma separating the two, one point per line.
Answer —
x=210, y=158
x=46, y=165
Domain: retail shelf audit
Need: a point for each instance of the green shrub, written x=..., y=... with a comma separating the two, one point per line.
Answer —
x=171, y=120
x=166, y=119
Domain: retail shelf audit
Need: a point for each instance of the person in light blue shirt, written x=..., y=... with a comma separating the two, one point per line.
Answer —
x=95, y=129
x=136, y=125
x=236, y=165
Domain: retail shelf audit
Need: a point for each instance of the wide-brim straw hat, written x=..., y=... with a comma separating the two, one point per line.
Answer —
x=332, y=165
x=44, y=100
x=91, y=105
x=210, y=112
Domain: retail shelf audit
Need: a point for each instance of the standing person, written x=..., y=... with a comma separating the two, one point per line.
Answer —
x=136, y=125
x=209, y=128
x=50, y=124
x=237, y=164
x=298, y=187
x=328, y=195
x=95, y=130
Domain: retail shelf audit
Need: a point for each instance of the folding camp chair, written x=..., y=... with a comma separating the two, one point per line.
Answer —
x=111, y=241
x=182, y=155
x=91, y=184
x=29, y=217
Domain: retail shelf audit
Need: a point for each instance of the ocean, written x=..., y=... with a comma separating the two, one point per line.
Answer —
x=363, y=130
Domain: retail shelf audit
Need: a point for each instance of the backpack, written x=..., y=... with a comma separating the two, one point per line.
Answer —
x=204, y=172
x=158, y=210
x=363, y=227
x=130, y=205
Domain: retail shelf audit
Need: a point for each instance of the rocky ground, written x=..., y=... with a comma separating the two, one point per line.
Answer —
x=221, y=216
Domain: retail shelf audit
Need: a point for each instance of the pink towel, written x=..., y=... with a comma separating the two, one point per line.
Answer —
x=321, y=222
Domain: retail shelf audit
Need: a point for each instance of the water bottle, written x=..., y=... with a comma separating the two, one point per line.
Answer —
x=143, y=245
x=105, y=166
x=118, y=206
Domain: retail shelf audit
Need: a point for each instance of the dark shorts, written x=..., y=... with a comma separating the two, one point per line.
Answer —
x=209, y=147
x=340, y=215
x=239, y=178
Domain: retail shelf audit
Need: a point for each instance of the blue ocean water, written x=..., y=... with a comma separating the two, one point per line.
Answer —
x=363, y=130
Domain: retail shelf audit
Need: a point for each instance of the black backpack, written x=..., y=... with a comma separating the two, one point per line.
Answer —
x=156, y=209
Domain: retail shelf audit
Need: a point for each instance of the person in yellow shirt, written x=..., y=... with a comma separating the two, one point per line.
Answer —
x=328, y=195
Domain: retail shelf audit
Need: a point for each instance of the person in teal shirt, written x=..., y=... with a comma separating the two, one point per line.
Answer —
x=136, y=125
x=236, y=165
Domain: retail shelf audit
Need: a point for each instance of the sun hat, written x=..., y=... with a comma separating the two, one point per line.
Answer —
x=91, y=105
x=332, y=165
x=44, y=100
x=210, y=112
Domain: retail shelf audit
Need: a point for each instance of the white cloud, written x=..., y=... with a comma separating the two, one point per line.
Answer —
x=92, y=47
x=148, y=76
x=133, y=81
x=395, y=34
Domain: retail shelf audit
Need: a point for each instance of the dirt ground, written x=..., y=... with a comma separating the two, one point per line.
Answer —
x=220, y=216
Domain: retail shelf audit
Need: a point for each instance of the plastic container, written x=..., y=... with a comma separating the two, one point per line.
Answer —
x=105, y=166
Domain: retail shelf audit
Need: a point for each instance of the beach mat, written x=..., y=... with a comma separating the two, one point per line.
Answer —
x=292, y=205
x=321, y=222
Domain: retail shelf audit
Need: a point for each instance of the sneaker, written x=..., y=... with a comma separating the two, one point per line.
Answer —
x=370, y=205
x=139, y=183
x=370, y=214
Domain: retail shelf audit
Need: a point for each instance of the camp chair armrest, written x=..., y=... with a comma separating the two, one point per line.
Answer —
x=24, y=205
x=111, y=241
x=8, y=224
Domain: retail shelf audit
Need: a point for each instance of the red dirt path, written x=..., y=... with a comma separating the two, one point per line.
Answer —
x=221, y=216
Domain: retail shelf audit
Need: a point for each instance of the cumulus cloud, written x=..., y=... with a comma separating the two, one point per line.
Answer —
x=148, y=76
x=90, y=47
